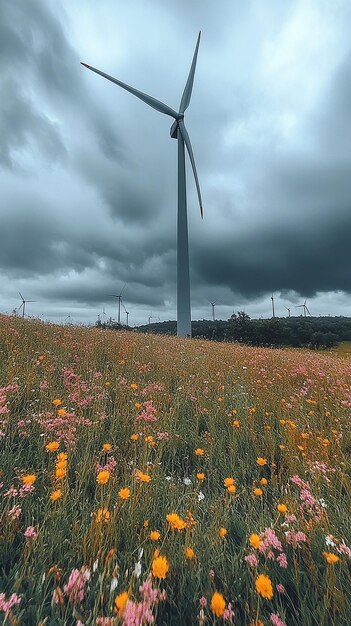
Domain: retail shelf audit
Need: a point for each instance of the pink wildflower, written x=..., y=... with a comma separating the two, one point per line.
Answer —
x=299, y=482
x=75, y=588
x=282, y=560
x=251, y=559
x=272, y=539
x=148, y=413
x=7, y=605
x=15, y=512
x=30, y=533
x=228, y=613
x=276, y=620
x=344, y=549
x=203, y=602
x=295, y=538
x=280, y=588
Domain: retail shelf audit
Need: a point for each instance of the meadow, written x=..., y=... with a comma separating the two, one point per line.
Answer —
x=149, y=479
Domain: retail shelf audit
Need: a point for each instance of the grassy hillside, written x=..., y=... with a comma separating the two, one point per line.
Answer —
x=147, y=479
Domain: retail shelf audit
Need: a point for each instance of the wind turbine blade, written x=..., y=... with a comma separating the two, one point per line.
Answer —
x=152, y=102
x=21, y=296
x=308, y=311
x=184, y=103
x=186, y=138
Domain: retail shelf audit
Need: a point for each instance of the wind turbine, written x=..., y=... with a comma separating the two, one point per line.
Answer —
x=272, y=298
x=23, y=305
x=305, y=308
x=126, y=312
x=177, y=131
x=119, y=297
x=213, y=310
x=288, y=310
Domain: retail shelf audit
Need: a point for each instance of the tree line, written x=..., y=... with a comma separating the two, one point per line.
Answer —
x=312, y=332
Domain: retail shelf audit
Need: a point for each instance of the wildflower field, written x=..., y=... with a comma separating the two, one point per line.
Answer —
x=149, y=479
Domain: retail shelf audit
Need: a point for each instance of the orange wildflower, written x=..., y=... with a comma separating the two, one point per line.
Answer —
x=264, y=587
x=103, y=477
x=52, y=446
x=160, y=567
x=217, y=604
x=29, y=479
x=124, y=493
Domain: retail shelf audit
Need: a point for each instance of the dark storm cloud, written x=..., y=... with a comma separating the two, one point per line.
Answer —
x=21, y=126
x=88, y=173
x=35, y=50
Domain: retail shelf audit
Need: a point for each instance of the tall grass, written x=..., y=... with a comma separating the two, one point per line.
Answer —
x=155, y=414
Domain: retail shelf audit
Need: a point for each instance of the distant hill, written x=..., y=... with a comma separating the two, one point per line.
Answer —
x=314, y=332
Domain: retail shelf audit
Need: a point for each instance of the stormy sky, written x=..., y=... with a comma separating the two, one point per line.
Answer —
x=88, y=172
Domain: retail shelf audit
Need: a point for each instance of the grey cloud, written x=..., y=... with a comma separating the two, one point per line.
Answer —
x=22, y=127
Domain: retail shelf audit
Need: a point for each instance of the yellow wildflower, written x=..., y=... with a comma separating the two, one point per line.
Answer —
x=264, y=587
x=52, y=446
x=155, y=535
x=29, y=479
x=330, y=557
x=102, y=515
x=217, y=604
x=199, y=452
x=103, y=477
x=120, y=603
x=124, y=493
x=175, y=521
x=189, y=554
x=144, y=478
x=160, y=567
x=255, y=540
x=56, y=495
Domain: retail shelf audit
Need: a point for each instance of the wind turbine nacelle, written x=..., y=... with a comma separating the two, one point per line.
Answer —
x=174, y=130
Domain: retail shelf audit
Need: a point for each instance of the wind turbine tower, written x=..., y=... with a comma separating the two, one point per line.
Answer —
x=119, y=297
x=213, y=304
x=178, y=131
x=288, y=310
x=272, y=298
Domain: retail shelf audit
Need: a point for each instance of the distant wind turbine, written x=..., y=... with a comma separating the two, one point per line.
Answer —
x=272, y=298
x=288, y=310
x=305, y=309
x=119, y=297
x=127, y=313
x=213, y=304
x=177, y=131
x=23, y=305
